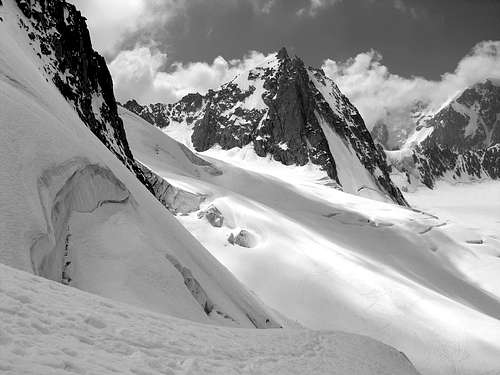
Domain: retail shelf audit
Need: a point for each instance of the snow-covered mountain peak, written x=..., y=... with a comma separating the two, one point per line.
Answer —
x=287, y=112
x=460, y=140
x=472, y=113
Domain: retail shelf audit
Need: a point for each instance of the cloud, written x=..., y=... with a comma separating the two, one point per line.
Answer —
x=402, y=7
x=378, y=94
x=137, y=74
x=316, y=5
x=112, y=21
x=266, y=6
x=109, y=20
x=146, y=74
x=382, y=96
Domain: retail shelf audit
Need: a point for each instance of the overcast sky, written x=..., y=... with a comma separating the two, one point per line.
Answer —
x=383, y=53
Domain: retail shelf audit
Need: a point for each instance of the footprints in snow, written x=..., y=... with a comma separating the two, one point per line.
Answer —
x=95, y=322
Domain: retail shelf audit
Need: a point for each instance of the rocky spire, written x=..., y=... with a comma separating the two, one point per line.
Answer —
x=282, y=54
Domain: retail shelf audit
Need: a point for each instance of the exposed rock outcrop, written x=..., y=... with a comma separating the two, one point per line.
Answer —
x=59, y=36
x=244, y=239
x=174, y=199
x=213, y=215
x=193, y=285
x=459, y=142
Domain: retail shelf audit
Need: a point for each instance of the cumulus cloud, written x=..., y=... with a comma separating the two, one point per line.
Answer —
x=380, y=95
x=112, y=21
x=402, y=7
x=138, y=74
x=109, y=20
x=383, y=96
x=316, y=5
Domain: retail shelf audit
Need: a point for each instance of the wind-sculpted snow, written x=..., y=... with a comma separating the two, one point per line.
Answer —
x=85, y=187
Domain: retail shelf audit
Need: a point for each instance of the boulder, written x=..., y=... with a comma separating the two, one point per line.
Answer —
x=213, y=215
x=243, y=239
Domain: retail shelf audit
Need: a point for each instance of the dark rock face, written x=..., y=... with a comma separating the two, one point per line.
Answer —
x=161, y=114
x=213, y=215
x=282, y=109
x=243, y=239
x=465, y=138
x=60, y=38
x=192, y=285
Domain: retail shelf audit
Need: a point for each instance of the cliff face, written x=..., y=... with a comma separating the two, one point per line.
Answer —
x=284, y=109
x=461, y=141
x=60, y=38
x=471, y=121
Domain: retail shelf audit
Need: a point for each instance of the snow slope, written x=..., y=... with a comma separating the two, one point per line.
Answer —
x=474, y=205
x=331, y=260
x=72, y=212
x=47, y=328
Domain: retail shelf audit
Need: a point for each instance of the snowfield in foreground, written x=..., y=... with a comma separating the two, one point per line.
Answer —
x=330, y=260
x=48, y=328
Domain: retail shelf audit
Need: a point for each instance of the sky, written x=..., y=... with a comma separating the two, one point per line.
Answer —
x=386, y=55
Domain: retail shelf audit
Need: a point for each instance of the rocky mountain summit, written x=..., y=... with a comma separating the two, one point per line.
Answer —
x=461, y=141
x=287, y=110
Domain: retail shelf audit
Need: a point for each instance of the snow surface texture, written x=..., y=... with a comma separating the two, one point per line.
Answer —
x=331, y=260
x=47, y=328
x=475, y=205
x=73, y=213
